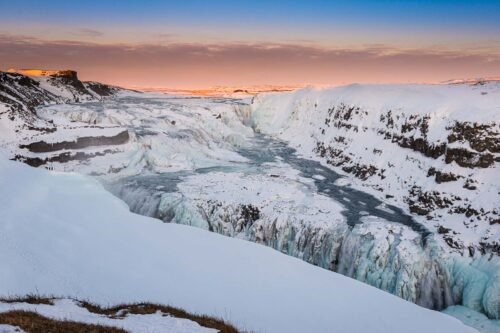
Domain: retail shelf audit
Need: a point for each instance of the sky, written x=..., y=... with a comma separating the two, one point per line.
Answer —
x=198, y=44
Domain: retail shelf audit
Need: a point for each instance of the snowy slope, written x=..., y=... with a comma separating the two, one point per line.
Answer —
x=431, y=148
x=94, y=248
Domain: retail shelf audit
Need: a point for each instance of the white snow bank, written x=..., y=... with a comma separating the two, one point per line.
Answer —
x=474, y=319
x=10, y=329
x=462, y=102
x=63, y=234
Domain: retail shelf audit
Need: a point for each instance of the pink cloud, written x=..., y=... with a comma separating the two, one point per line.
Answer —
x=198, y=64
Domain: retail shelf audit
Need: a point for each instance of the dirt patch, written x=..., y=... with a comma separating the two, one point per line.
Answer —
x=30, y=299
x=34, y=323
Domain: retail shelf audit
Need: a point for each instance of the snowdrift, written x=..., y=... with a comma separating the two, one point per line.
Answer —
x=69, y=237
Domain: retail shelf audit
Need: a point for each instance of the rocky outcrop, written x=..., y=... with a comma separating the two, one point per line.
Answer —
x=481, y=137
x=100, y=89
x=61, y=158
x=28, y=92
x=442, y=177
x=23, y=91
x=469, y=159
x=420, y=145
x=73, y=85
x=22, y=94
x=79, y=143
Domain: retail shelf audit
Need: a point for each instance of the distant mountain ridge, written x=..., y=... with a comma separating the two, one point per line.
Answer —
x=24, y=89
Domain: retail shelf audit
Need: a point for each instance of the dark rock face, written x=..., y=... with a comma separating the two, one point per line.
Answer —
x=469, y=159
x=470, y=184
x=250, y=214
x=23, y=94
x=481, y=137
x=334, y=156
x=442, y=177
x=467, y=145
x=61, y=158
x=443, y=230
x=422, y=203
x=71, y=82
x=100, y=89
x=339, y=116
x=414, y=124
x=361, y=171
x=420, y=145
x=83, y=142
x=69, y=74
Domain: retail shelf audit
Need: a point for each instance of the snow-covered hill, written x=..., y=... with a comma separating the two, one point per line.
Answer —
x=69, y=237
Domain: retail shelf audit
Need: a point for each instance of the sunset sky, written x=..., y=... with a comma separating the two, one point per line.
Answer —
x=197, y=44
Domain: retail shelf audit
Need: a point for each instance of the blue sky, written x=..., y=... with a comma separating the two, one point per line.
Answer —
x=378, y=21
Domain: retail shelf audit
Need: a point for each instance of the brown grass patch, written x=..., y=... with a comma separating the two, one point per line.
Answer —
x=115, y=312
x=30, y=299
x=120, y=311
x=34, y=323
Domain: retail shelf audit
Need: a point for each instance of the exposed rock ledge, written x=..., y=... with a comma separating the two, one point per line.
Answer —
x=79, y=143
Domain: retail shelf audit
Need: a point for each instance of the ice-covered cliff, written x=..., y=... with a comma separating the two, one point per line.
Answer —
x=433, y=149
x=285, y=212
